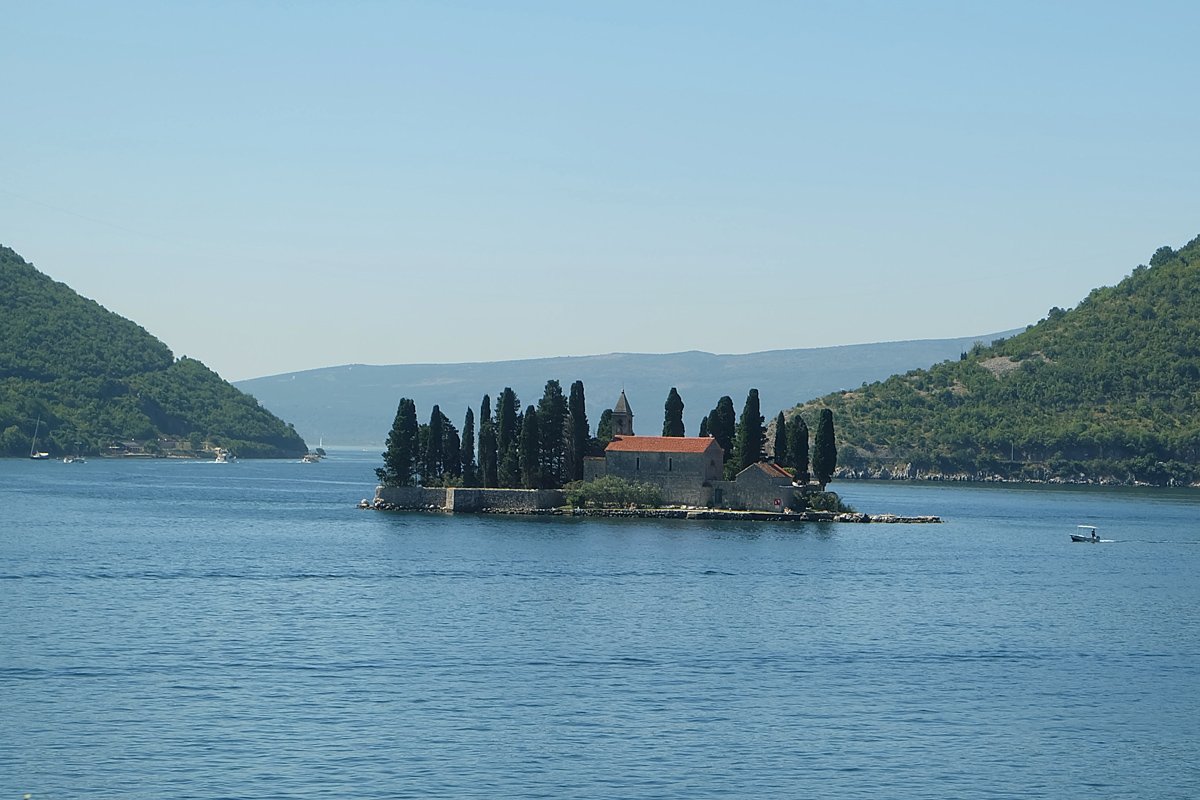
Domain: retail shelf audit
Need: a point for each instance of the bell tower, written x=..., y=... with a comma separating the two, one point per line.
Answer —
x=622, y=417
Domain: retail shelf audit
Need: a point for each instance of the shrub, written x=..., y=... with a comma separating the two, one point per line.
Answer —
x=827, y=501
x=611, y=492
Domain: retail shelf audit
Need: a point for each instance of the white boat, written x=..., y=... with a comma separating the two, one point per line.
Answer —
x=223, y=456
x=34, y=453
x=1092, y=534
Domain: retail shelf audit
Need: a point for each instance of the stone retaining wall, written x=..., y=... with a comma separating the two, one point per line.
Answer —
x=411, y=496
x=459, y=499
x=456, y=498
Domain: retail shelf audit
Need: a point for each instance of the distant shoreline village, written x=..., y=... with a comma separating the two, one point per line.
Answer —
x=685, y=472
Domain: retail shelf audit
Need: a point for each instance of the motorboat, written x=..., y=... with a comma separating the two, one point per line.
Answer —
x=1090, y=534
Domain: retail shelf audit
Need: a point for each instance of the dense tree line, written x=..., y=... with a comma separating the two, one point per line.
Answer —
x=95, y=379
x=545, y=445
x=541, y=447
x=1107, y=390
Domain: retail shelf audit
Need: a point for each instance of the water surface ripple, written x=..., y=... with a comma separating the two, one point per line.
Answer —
x=196, y=630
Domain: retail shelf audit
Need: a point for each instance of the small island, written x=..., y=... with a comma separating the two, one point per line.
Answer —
x=543, y=461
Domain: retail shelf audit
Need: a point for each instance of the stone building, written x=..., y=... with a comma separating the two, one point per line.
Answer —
x=682, y=467
x=764, y=486
x=688, y=470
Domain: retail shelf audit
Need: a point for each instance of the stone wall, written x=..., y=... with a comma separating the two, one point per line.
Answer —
x=467, y=500
x=681, y=477
x=411, y=496
x=459, y=499
x=752, y=495
x=764, y=496
x=593, y=467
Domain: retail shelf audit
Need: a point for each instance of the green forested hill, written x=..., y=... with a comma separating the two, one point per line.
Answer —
x=1109, y=390
x=95, y=379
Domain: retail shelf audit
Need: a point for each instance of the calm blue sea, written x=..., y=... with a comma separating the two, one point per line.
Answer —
x=195, y=630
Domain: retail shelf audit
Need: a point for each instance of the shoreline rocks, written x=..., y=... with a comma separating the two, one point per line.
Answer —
x=907, y=472
x=668, y=513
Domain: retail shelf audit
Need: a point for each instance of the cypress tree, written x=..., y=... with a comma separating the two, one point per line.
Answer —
x=604, y=427
x=421, y=452
x=798, y=448
x=451, y=452
x=673, y=414
x=466, y=456
x=507, y=408
x=577, y=445
x=488, y=457
x=552, y=429
x=703, y=427
x=751, y=435
x=722, y=423
x=530, y=450
x=431, y=473
x=401, y=453
x=824, y=456
x=508, y=425
x=779, y=445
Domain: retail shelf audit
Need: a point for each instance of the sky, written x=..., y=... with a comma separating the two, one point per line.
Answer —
x=278, y=186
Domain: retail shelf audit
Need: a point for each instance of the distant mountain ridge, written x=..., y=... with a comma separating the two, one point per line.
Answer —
x=88, y=380
x=354, y=404
x=1106, y=392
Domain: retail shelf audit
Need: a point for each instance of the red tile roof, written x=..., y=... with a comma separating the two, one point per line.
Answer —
x=774, y=469
x=661, y=444
x=770, y=468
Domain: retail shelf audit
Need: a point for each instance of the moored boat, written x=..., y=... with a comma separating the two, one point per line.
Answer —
x=34, y=453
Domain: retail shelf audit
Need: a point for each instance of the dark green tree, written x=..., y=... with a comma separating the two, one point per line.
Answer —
x=466, y=456
x=431, y=472
x=604, y=431
x=750, y=436
x=488, y=457
x=798, y=448
x=451, y=453
x=1161, y=256
x=508, y=426
x=703, y=427
x=507, y=409
x=673, y=414
x=779, y=444
x=552, y=435
x=824, y=455
x=530, y=450
x=722, y=424
x=401, y=453
x=577, y=424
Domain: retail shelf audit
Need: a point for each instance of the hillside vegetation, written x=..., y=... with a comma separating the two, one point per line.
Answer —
x=96, y=379
x=1108, y=391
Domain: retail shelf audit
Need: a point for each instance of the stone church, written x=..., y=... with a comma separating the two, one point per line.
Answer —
x=688, y=470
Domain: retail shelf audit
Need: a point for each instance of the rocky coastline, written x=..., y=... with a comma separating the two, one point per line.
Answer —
x=907, y=472
x=667, y=513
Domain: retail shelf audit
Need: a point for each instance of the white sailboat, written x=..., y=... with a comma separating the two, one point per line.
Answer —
x=34, y=453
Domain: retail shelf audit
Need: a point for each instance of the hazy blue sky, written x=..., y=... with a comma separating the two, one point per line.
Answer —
x=275, y=186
